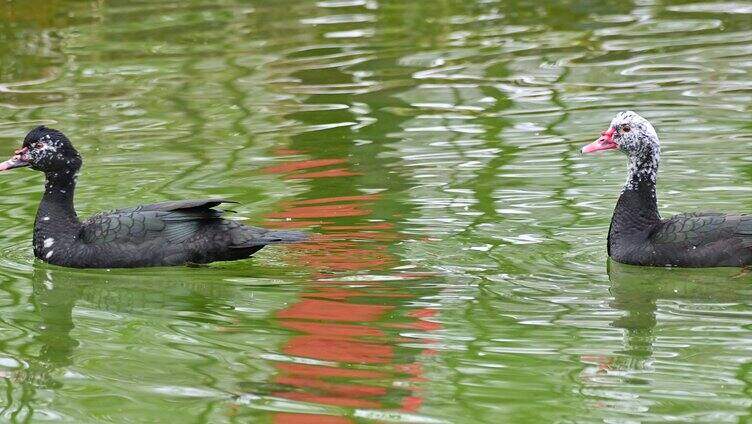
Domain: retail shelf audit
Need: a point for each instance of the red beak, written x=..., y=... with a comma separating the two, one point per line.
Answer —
x=604, y=142
x=21, y=158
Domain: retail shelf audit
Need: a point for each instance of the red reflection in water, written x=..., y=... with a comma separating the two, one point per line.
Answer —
x=344, y=256
x=338, y=199
x=336, y=330
x=303, y=164
x=339, y=311
x=338, y=172
x=322, y=371
x=324, y=211
x=284, y=418
x=335, y=348
x=350, y=328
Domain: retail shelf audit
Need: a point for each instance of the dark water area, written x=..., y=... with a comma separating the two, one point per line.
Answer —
x=458, y=272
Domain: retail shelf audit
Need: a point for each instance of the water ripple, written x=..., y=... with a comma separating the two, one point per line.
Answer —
x=433, y=148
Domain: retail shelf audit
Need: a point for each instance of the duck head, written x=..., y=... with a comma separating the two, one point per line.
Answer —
x=47, y=150
x=628, y=132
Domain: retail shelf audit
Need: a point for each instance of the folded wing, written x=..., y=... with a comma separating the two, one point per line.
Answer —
x=698, y=229
x=175, y=222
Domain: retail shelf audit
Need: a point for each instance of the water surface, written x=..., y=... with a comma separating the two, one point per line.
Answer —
x=459, y=271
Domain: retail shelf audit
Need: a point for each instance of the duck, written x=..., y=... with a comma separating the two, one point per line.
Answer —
x=637, y=234
x=171, y=233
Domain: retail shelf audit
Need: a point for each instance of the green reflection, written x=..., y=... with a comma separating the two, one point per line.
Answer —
x=459, y=274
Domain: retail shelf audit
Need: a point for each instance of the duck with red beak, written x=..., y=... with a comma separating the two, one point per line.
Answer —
x=639, y=236
x=160, y=234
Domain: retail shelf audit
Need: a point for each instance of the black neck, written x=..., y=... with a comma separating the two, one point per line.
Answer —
x=56, y=217
x=636, y=211
x=58, y=196
x=638, y=205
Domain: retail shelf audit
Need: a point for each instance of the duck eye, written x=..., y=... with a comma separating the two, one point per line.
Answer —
x=38, y=145
x=625, y=128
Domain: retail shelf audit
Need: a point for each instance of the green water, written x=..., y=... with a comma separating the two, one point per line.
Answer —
x=459, y=274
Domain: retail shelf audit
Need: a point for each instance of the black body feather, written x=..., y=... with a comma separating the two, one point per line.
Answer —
x=161, y=234
x=639, y=236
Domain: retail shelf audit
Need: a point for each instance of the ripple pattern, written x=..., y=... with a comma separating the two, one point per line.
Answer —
x=458, y=273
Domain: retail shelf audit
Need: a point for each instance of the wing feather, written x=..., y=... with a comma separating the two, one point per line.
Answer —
x=698, y=229
x=176, y=221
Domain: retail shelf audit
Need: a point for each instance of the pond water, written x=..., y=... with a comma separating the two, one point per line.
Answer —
x=458, y=273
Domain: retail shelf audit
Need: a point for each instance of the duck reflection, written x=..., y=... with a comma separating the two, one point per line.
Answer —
x=180, y=310
x=57, y=291
x=638, y=291
x=54, y=304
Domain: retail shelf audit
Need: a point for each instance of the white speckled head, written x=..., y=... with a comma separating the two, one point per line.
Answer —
x=633, y=134
x=628, y=132
x=635, y=137
x=49, y=150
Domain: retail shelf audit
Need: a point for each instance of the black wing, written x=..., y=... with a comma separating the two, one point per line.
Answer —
x=176, y=221
x=698, y=229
